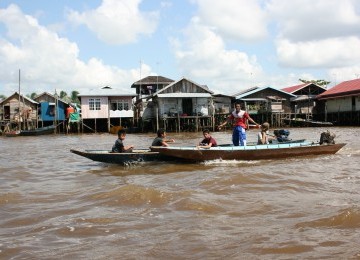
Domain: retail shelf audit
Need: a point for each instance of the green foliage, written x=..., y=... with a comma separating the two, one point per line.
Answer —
x=63, y=94
x=319, y=82
x=33, y=95
x=74, y=96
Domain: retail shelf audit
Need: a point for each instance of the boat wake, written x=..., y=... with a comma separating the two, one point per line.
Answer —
x=231, y=162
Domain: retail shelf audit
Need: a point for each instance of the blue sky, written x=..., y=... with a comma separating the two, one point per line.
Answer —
x=227, y=45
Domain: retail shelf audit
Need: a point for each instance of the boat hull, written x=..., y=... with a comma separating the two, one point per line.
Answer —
x=257, y=152
x=38, y=131
x=306, y=123
x=106, y=156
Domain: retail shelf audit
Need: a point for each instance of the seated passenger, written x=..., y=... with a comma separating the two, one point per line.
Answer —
x=263, y=135
x=161, y=140
x=208, y=140
x=119, y=147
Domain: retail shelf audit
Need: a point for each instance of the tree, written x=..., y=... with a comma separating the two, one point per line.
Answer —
x=74, y=96
x=319, y=82
x=63, y=94
x=33, y=95
x=2, y=97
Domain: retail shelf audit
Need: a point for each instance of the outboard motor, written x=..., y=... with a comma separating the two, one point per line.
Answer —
x=282, y=135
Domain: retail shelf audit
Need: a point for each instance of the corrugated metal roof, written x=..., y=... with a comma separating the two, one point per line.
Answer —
x=254, y=99
x=106, y=92
x=346, y=88
x=261, y=89
x=184, y=95
x=204, y=87
x=303, y=97
x=22, y=97
x=153, y=80
x=294, y=88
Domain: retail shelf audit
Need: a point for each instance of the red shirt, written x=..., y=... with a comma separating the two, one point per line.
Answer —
x=210, y=140
x=239, y=119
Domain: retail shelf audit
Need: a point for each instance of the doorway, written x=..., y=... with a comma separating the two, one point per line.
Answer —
x=187, y=106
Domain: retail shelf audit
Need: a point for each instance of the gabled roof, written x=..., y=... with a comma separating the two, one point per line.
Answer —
x=152, y=80
x=204, y=87
x=106, y=92
x=258, y=89
x=21, y=96
x=37, y=97
x=344, y=89
x=293, y=89
x=244, y=91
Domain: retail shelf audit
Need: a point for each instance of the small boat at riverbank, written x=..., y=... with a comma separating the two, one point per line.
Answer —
x=33, y=132
x=306, y=123
x=256, y=152
x=137, y=155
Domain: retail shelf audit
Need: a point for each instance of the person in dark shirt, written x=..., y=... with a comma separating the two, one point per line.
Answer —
x=208, y=140
x=119, y=147
x=161, y=140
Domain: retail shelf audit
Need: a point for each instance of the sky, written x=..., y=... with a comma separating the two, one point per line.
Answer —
x=229, y=46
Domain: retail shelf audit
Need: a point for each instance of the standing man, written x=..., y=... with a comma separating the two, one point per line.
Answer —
x=238, y=118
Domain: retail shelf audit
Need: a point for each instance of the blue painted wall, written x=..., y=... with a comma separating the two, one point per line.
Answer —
x=48, y=111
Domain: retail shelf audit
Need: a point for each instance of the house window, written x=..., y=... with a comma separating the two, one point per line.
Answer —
x=120, y=104
x=94, y=103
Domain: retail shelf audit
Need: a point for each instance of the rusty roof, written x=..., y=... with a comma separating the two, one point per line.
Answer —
x=344, y=89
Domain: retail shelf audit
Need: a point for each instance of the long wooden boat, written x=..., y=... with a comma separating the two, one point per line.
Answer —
x=256, y=152
x=37, y=131
x=273, y=142
x=306, y=123
x=137, y=155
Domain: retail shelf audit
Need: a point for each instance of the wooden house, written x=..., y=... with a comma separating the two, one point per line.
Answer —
x=181, y=106
x=222, y=103
x=342, y=103
x=51, y=109
x=265, y=99
x=104, y=108
x=145, y=88
x=18, y=112
x=266, y=103
x=305, y=103
x=150, y=85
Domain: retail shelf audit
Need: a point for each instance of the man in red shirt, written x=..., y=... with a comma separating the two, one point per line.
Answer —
x=238, y=118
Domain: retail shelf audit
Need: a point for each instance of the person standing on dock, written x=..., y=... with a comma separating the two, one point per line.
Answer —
x=239, y=119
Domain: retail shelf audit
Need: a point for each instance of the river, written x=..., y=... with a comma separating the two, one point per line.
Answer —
x=57, y=205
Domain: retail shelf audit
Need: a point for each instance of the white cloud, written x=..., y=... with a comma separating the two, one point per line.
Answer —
x=203, y=55
x=234, y=19
x=308, y=20
x=49, y=62
x=117, y=21
x=328, y=53
x=337, y=75
x=316, y=34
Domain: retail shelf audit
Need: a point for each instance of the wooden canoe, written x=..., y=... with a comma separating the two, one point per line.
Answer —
x=256, y=152
x=33, y=132
x=137, y=155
